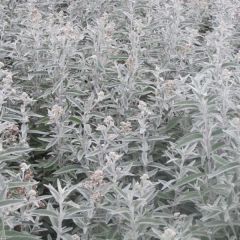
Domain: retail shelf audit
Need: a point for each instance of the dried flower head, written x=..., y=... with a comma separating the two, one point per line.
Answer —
x=68, y=31
x=109, y=29
x=169, y=87
x=125, y=127
x=97, y=177
x=96, y=197
x=36, y=16
x=11, y=133
x=95, y=180
x=7, y=80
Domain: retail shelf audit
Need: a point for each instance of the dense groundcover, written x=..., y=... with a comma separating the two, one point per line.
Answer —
x=120, y=119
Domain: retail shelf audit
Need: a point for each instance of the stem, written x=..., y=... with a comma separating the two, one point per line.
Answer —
x=60, y=219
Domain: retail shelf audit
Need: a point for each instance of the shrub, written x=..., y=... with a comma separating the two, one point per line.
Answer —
x=119, y=120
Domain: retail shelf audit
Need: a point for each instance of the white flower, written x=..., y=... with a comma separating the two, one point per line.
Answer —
x=109, y=121
x=169, y=234
x=125, y=127
x=24, y=167
x=226, y=74
x=101, y=96
x=96, y=196
x=32, y=193
x=101, y=127
x=176, y=214
x=169, y=87
x=36, y=16
x=236, y=122
x=139, y=25
x=112, y=136
x=68, y=31
x=97, y=176
x=144, y=177
x=119, y=170
x=145, y=180
x=7, y=80
x=114, y=156
x=143, y=107
x=75, y=237
x=55, y=113
x=25, y=98
x=109, y=29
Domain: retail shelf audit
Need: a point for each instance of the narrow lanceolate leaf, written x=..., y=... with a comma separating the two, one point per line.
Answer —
x=188, y=179
x=218, y=159
x=187, y=105
x=120, y=192
x=75, y=119
x=189, y=138
x=157, y=138
x=224, y=169
x=66, y=169
x=172, y=123
x=189, y=196
x=44, y=212
x=217, y=146
x=159, y=166
x=15, y=151
x=21, y=184
x=53, y=191
x=14, y=235
x=149, y=221
x=10, y=202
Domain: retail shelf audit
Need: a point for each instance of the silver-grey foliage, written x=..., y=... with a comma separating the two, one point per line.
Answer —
x=119, y=119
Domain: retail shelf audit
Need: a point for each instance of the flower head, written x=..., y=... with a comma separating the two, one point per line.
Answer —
x=75, y=237
x=97, y=177
x=101, y=96
x=25, y=98
x=125, y=127
x=109, y=121
x=32, y=193
x=55, y=113
x=36, y=15
x=169, y=234
x=142, y=106
x=101, y=127
x=24, y=167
